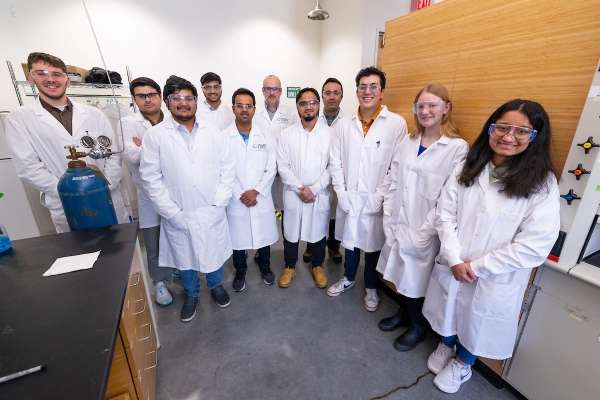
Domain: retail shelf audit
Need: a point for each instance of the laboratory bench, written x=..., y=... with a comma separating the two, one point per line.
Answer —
x=91, y=328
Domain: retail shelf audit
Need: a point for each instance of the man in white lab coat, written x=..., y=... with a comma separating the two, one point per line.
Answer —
x=303, y=164
x=37, y=134
x=147, y=96
x=361, y=155
x=212, y=108
x=250, y=212
x=332, y=93
x=188, y=173
x=274, y=118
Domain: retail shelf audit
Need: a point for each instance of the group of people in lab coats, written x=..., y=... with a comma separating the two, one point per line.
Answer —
x=456, y=231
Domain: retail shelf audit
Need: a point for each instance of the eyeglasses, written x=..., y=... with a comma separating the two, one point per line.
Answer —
x=270, y=89
x=373, y=87
x=177, y=98
x=241, y=106
x=144, y=96
x=306, y=103
x=426, y=105
x=45, y=74
x=521, y=133
x=332, y=93
x=211, y=87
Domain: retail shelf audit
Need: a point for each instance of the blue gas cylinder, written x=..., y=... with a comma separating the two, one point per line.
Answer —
x=86, y=198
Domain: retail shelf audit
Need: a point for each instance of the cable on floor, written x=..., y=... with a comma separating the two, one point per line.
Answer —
x=401, y=387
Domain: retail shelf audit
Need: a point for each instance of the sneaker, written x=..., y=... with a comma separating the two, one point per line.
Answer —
x=267, y=276
x=319, y=277
x=454, y=374
x=339, y=287
x=239, y=281
x=286, y=277
x=335, y=255
x=439, y=358
x=188, y=311
x=162, y=296
x=371, y=300
x=307, y=255
x=220, y=296
x=176, y=274
x=256, y=257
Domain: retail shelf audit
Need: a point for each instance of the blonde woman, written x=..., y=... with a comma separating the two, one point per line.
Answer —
x=423, y=163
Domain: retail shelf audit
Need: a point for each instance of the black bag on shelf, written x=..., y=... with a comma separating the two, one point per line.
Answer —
x=98, y=75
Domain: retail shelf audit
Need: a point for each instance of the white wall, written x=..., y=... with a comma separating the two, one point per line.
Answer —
x=240, y=40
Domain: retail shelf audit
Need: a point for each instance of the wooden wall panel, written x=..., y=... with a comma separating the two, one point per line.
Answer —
x=489, y=51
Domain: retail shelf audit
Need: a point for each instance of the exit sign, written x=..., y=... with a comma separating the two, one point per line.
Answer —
x=418, y=4
x=292, y=91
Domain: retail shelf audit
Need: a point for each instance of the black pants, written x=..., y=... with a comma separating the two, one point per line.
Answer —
x=332, y=243
x=263, y=259
x=290, y=252
x=414, y=310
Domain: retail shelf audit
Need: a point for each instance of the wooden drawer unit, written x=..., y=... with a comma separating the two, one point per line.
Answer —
x=133, y=371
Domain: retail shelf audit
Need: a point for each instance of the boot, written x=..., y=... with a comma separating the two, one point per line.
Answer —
x=400, y=319
x=417, y=330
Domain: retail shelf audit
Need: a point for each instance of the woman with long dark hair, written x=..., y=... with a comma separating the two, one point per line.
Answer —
x=497, y=219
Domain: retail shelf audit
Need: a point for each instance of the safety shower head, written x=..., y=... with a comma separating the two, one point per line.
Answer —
x=318, y=14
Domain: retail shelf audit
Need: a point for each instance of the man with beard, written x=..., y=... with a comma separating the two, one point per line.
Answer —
x=188, y=173
x=37, y=134
x=303, y=161
x=212, y=108
x=250, y=212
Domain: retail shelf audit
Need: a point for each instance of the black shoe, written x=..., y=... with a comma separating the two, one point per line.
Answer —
x=267, y=276
x=335, y=255
x=239, y=281
x=400, y=319
x=220, y=296
x=410, y=339
x=188, y=311
x=307, y=255
x=256, y=257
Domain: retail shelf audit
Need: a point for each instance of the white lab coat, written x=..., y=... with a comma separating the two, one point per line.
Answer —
x=303, y=160
x=255, y=163
x=190, y=188
x=284, y=116
x=221, y=117
x=38, y=142
x=503, y=238
x=136, y=125
x=415, y=184
x=333, y=197
x=358, y=166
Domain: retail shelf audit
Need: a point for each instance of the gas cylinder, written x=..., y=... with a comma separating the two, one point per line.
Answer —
x=85, y=196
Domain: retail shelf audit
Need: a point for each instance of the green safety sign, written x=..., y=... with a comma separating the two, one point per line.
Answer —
x=292, y=91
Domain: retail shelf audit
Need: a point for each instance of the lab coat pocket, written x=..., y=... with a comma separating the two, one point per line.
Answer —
x=430, y=185
x=497, y=297
x=344, y=202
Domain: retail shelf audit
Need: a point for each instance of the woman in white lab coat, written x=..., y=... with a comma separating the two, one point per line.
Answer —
x=420, y=168
x=497, y=219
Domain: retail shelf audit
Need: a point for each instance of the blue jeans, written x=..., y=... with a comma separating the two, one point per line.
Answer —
x=463, y=354
x=352, y=258
x=191, y=284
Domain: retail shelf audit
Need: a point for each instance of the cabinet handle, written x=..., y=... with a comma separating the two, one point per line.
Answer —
x=137, y=275
x=149, y=325
x=155, y=360
x=143, y=308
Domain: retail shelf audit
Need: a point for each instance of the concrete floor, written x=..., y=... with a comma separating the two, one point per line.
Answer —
x=294, y=343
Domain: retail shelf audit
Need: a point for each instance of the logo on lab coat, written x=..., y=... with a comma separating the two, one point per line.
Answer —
x=259, y=146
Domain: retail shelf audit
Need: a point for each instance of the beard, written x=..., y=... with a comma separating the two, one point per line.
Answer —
x=309, y=117
x=52, y=96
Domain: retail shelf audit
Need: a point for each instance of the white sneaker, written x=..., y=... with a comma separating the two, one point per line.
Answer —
x=339, y=287
x=162, y=296
x=454, y=374
x=371, y=300
x=439, y=358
